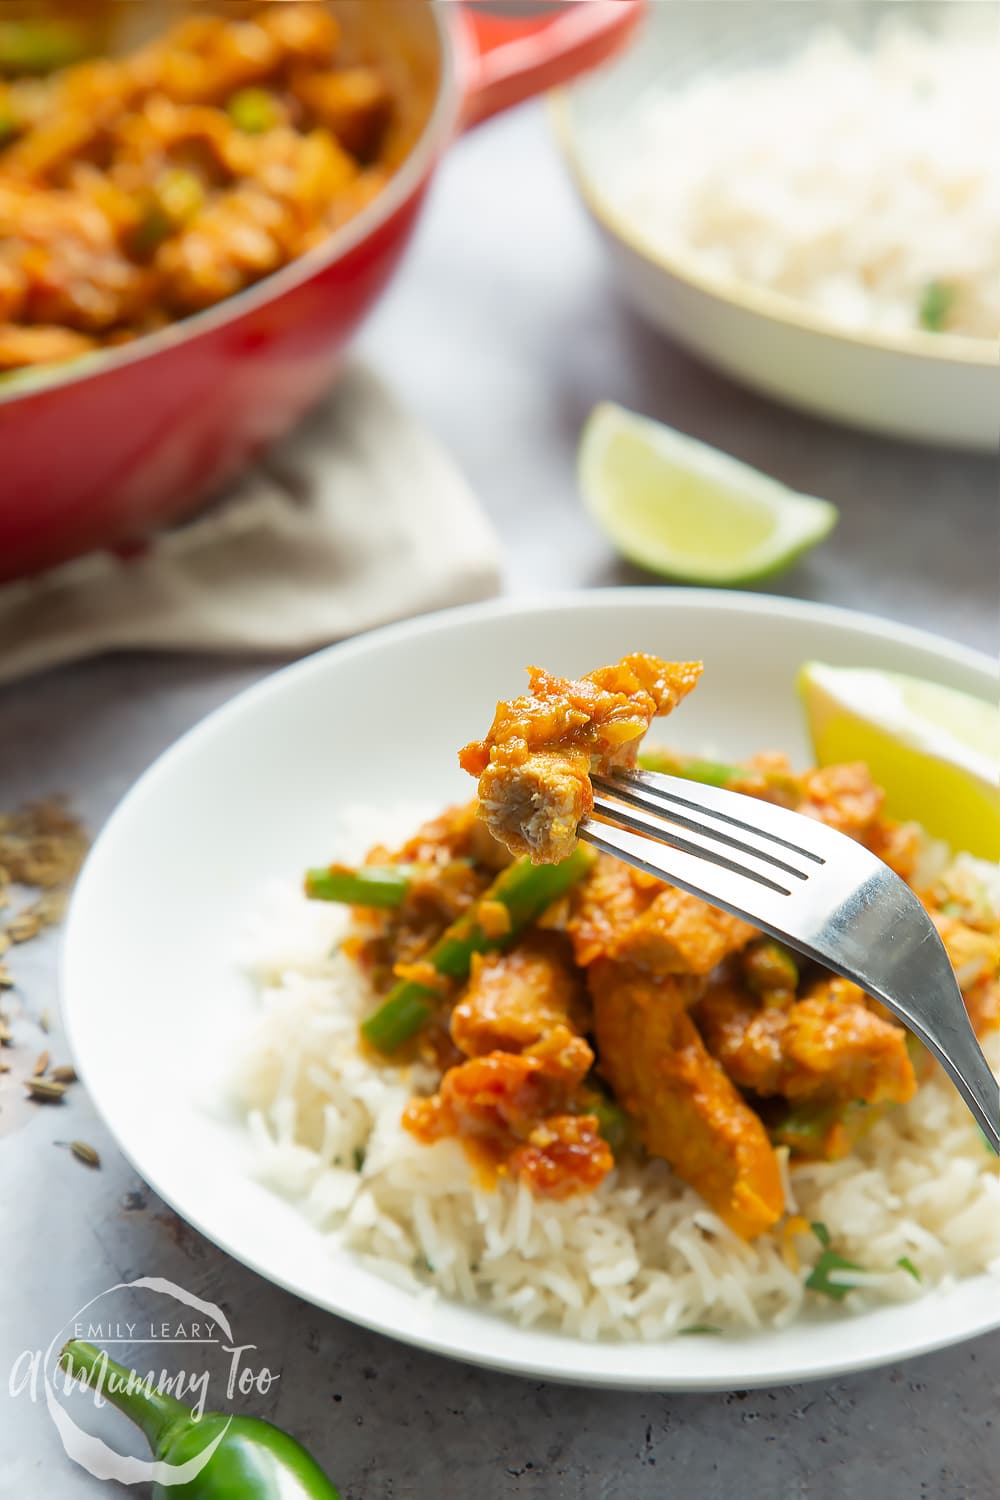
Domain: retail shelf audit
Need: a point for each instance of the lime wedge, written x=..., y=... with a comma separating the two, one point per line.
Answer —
x=685, y=510
x=936, y=751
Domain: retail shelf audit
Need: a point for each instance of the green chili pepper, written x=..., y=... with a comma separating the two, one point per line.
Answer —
x=525, y=890
x=253, y=1460
x=371, y=885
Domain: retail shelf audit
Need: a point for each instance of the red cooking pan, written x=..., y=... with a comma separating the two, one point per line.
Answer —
x=101, y=451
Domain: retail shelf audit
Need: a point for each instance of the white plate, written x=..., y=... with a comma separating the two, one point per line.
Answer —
x=935, y=388
x=152, y=997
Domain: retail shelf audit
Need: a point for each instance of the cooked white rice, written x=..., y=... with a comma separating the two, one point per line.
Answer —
x=850, y=180
x=642, y=1257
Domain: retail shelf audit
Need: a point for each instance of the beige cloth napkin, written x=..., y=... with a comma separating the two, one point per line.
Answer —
x=357, y=518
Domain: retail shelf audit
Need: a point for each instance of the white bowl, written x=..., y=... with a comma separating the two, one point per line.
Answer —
x=935, y=388
x=153, y=999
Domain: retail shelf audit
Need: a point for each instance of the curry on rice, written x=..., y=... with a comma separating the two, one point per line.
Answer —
x=578, y=1012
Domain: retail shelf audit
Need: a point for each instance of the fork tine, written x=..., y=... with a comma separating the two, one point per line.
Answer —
x=604, y=840
x=735, y=887
x=656, y=828
x=646, y=788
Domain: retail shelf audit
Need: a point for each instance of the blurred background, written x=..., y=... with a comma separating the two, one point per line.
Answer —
x=200, y=206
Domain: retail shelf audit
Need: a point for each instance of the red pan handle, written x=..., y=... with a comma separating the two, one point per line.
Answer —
x=508, y=58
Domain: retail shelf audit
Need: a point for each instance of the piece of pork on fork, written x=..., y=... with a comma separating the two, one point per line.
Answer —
x=535, y=764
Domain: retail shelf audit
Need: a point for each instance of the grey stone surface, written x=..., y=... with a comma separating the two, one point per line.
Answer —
x=501, y=331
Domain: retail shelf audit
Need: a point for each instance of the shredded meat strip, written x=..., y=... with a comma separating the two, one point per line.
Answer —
x=685, y=1106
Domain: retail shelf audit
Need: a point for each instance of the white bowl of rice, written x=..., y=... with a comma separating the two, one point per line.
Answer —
x=808, y=196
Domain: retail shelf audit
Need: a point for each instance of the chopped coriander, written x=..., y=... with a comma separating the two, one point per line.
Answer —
x=699, y=1328
x=907, y=1265
x=359, y=1158
x=935, y=305
x=819, y=1278
x=822, y=1234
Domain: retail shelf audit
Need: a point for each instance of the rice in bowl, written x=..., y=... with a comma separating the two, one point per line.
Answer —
x=859, y=181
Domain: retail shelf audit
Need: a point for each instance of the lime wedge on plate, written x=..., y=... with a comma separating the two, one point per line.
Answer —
x=685, y=510
x=935, y=750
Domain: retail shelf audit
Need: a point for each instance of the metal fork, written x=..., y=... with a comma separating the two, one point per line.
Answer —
x=812, y=887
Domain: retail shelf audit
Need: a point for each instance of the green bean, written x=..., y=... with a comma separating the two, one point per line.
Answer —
x=708, y=772
x=371, y=885
x=612, y=1121
x=41, y=46
x=770, y=968
x=782, y=782
x=525, y=890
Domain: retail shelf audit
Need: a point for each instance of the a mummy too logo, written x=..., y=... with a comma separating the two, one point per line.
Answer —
x=179, y=1346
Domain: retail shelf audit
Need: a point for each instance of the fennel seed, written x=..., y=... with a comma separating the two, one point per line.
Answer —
x=45, y=1090
x=84, y=1152
x=25, y=926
